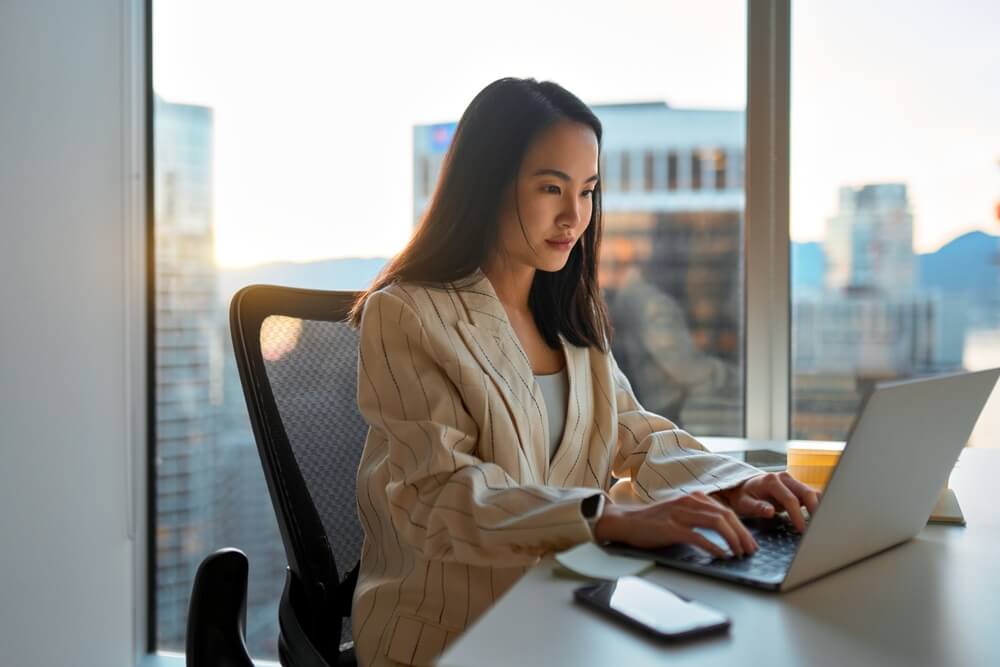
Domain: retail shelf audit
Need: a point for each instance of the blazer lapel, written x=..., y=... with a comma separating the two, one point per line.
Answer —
x=492, y=342
x=577, y=428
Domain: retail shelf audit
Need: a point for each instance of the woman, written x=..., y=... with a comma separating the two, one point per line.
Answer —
x=499, y=419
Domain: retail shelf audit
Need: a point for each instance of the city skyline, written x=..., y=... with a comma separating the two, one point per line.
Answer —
x=846, y=130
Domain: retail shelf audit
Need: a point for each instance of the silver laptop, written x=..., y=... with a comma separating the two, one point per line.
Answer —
x=899, y=454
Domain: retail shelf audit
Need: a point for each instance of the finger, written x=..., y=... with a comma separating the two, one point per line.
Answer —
x=688, y=536
x=743, y=503
x=746, y=539
x=789, y=502
x=803, y=492
x=746, y=505
x=714, y=521
x=738, y=499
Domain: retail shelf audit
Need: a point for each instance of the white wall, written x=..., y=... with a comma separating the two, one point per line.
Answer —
x=66, y=560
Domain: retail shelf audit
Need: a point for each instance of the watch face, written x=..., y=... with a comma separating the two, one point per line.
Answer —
x=591, y=508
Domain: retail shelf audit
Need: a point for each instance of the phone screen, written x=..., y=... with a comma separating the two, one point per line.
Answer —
x=653, y=607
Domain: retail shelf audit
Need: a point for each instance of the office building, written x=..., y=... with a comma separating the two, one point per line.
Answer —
x=869, y=242
x=186, y=416
x=210, y=485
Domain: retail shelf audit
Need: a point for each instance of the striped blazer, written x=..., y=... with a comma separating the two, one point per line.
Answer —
x=456, y=493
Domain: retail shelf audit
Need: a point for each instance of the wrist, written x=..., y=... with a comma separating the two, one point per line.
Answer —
x=605, y=530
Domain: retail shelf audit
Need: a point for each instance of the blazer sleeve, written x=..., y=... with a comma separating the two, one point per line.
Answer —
x=443, y=499
x=662, y=460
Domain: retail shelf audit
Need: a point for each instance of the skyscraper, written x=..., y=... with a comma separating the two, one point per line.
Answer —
x=186, y=417
x=869, y=242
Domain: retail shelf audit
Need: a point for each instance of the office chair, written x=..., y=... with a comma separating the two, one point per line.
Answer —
x=297, y=360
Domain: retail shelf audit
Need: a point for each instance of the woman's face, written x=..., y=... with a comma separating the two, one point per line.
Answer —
x=555, y=188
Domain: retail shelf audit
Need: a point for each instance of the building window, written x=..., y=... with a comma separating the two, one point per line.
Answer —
x=425, y=175
x=648, y=171
x=695, y=170
x=672, y=171
x=626, y=171
x=719, y=166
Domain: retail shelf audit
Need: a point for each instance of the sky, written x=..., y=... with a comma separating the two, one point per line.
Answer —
x=314, y=102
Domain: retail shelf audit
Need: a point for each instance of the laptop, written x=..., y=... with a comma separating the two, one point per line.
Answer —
x=899, y=454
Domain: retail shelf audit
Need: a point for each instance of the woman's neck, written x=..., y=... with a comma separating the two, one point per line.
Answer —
x=512, y=284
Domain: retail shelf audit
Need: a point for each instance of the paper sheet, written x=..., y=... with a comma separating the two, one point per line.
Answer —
x=591, y=561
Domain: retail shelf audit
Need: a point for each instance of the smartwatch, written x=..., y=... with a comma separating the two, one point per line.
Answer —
x=592, y=508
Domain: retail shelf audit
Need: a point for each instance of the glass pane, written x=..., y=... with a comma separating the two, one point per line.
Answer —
x=298, y=143
x=894, y=194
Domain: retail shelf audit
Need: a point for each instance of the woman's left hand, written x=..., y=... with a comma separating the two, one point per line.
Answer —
x=770, y=492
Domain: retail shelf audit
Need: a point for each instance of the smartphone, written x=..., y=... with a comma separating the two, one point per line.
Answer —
x=651, y=608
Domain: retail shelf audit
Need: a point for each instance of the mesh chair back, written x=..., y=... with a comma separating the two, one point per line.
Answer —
x=312, y=368
x=297, y=359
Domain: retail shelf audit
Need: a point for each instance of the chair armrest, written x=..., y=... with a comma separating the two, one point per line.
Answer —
x=216, y=624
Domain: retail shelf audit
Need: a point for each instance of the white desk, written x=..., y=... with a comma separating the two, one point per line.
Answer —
x=934, y=600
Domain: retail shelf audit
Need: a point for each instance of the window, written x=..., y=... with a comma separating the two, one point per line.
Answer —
x=626, y=172
x=648, y=171
x=696, y=170
x=894, y=251
x=264, y=176
x=671, y=171
x=425, y=176
x=719, y=167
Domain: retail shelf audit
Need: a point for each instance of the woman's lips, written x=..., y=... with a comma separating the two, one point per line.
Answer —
x=560, y=245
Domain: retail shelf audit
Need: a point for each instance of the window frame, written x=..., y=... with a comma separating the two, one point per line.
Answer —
x=767, y=303
x=766, y=269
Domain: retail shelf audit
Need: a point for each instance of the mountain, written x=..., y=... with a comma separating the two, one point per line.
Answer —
x=968, y=265
x=965, y=265
x=330, y=274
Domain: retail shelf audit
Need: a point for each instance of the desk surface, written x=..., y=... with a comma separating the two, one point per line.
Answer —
x=934, y=600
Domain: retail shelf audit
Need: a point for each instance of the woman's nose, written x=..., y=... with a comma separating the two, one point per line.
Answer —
x=571, y=214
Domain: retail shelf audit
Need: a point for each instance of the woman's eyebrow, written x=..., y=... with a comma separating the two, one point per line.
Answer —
x=560, y=174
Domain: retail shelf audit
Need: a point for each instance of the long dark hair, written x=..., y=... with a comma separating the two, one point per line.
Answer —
x=460, y=227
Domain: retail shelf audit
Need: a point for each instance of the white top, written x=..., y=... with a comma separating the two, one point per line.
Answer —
x=555, y=390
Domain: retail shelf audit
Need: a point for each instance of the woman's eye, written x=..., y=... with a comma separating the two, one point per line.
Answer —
x=553, y=189
x=588, y=193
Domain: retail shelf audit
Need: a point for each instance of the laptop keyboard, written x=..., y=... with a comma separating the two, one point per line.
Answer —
x=778, y=542
x=777, y=539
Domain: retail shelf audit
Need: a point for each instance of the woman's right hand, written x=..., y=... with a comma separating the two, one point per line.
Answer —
x=672, y=522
